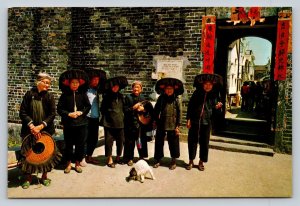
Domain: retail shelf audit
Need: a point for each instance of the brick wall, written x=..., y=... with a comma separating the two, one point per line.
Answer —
x=124, y=40
x=20, y=38
x=283, y=130
x=118, y=40
x=37, y=41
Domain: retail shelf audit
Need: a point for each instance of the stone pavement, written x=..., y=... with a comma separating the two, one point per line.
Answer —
x=227, y=174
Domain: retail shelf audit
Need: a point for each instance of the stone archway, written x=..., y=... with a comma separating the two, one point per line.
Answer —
x=226, y=34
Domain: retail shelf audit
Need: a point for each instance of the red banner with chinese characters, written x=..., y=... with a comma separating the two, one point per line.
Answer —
x=282, y=43
x=208, y=46
x=205, y=20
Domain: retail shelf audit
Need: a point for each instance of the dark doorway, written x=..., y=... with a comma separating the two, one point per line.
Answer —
x=226, y=34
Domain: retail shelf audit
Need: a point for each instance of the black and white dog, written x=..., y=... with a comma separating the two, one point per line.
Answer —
x=139, y=171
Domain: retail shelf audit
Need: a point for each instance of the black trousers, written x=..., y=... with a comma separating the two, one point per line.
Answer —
x=111, y=135
x=199, y=136
x=74, y=135
x=92, y=136
x=245, y=103
x=173, y=141
x=130, y=141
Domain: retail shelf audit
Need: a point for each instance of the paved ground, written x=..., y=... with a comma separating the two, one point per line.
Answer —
x=227, y=174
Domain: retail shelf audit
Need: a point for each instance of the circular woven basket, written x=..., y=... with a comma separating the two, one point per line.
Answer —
x=39, y=155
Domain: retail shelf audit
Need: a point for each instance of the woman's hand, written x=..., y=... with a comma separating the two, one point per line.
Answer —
x=138, y=106
x=219, y=105
x=73, y=115
x=177, y=131
x=79, y=113
x=36, y=130
x=188, y=124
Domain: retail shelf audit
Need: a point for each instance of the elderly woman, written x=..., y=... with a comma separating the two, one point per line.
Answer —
x=37, y=113
x=134, y=130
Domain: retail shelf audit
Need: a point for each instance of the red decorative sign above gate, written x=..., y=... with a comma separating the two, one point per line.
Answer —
x=238, y=14
x=281, y=49
x=208, y=43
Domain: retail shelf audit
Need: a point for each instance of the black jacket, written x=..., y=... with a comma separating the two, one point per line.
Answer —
x=195, y=107
x=131, y=119
x=66, y=105
x=112, y=110
x=26, y=112
x=160, y=105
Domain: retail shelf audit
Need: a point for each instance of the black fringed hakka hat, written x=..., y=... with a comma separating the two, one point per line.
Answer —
x=213, y=78
x=119, y=80
x=67, y=76
x=173, y=82
x=102, y=77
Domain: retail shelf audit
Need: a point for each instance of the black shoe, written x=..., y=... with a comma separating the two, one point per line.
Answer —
x=111, y=165
x=172, y=166
x=156, y=165
x=189, y=166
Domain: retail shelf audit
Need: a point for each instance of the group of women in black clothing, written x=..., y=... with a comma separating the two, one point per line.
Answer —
x=88, y=100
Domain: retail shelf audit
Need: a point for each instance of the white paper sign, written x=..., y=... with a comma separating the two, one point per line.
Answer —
x=170, y=68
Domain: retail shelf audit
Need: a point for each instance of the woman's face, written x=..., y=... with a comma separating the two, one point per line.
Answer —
x=169, y=90
x=115, y=88
x=74, y=84
x=136, y=89
x=43, y=85
x=207, y=86
x=94, y=82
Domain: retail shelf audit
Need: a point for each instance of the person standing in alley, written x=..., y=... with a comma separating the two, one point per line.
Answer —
x=258, y=98
x=245, y=96
x=199, y=116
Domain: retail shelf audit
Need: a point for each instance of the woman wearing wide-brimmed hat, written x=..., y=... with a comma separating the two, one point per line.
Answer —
x=112, y=111
x=97, y=80
x=199, y=116
x=73, y=107
x=167, y=119
x=37, y=113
